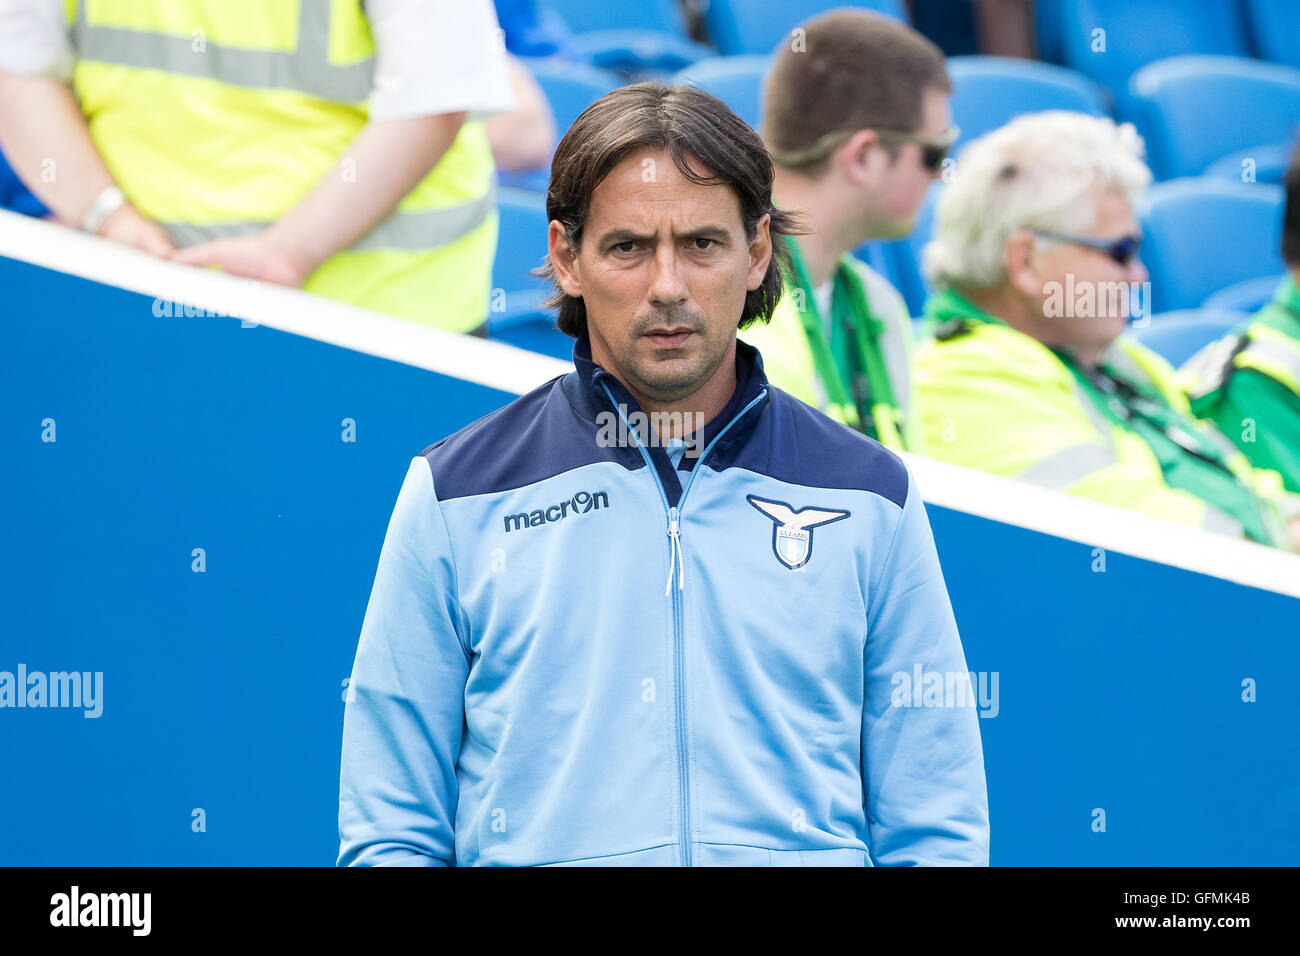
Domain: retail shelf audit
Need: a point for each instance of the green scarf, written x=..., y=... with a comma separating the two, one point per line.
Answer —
x=851, y=366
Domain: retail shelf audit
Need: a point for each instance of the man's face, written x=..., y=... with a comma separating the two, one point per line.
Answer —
x=903, y=184
x=663, y=270
x=1091, y=289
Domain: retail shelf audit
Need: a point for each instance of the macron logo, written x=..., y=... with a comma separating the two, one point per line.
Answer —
x=579, y=504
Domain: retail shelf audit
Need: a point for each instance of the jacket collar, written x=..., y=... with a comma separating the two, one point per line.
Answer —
x=586, y=392
x=947, y=304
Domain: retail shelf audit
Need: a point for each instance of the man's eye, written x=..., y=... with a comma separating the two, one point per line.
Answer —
x=627, y=246
x=696, y=244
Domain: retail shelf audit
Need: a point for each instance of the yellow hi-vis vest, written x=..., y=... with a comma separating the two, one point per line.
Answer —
x=789, y=365
x=215, y=117
x=1000, y=401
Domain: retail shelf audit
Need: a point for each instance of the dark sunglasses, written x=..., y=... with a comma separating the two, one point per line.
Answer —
x=1122, y=250
x=933, y=151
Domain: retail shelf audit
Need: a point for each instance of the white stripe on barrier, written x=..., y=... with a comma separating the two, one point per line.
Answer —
x=468, y=357
x=516, y=371
x=1104, y=526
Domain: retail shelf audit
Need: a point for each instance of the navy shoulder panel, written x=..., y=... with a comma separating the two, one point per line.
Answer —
x=537, y=436
x=797, y=443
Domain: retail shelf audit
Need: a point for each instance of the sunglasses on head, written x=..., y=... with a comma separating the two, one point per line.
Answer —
x=933, y=151
x=1122, y=250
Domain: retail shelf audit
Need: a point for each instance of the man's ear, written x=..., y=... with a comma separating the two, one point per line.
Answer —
x=563, y=259
x=1018, y=261
x=857, y=155
x=760, y=252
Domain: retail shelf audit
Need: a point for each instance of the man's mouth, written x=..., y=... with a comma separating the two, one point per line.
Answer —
x=670, y=338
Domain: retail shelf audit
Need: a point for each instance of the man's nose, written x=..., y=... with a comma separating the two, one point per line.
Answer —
x=666, y=285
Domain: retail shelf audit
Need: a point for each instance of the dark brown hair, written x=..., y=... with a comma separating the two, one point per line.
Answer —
x=695, y=128
x=848, y=70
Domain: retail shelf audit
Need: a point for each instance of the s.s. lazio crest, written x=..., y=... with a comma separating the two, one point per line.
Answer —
x=792, y=530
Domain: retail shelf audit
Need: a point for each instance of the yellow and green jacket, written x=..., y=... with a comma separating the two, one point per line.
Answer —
x=1248, y=383
x=799, y=361
x=1000, y=401
x=216, y=118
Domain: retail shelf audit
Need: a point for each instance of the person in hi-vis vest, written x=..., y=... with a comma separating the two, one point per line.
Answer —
x=1248, y=382
x=856, y=118
x=309, y=143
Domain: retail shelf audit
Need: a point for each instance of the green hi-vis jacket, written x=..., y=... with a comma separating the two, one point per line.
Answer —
x=1248, y=383
x=998, y=400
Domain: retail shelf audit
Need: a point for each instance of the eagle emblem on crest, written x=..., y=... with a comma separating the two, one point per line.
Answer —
x=792, y=528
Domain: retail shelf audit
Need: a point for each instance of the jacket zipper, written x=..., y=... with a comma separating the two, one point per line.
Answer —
x=677, y=568
x=679, y=683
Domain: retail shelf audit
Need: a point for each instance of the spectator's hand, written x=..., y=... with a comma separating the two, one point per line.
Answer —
x=126, y=225
x=255, y=257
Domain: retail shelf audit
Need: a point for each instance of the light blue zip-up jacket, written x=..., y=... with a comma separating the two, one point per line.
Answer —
x=576, y=652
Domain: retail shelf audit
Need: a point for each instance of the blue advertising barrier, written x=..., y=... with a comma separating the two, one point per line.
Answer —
x=193, y=511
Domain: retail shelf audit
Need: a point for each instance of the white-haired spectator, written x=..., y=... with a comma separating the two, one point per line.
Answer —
x=1029, y=373
x=1043, y=169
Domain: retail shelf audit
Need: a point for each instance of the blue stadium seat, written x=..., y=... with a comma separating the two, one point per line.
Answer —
x=1194, y=109
x=1204, y=234
x=736, y=80
x=1274, y=26
x=905, y=254
x=521, y=246
x=16, y=196
x=586, y=16
x=516, y=315
x=758, y=26
x=1179, y=335
x=570, y=87
x=646, y=36
x=1136, y=32
x=533, y=30
x=1268, y=164
x=533, y=331
x=989, y=91
x=1250, y=295
x=1048, y=30
x=638, y=54
x=533, y=180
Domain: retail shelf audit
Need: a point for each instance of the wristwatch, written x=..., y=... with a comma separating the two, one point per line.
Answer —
x=104, y=205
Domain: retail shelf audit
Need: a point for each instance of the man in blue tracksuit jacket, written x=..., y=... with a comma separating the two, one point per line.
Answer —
x=655, y=611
